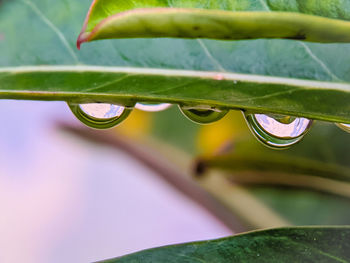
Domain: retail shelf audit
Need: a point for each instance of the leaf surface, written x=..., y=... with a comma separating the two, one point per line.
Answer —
x=277, y=245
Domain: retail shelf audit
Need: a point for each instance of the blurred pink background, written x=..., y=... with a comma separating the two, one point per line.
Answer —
x=65, y=200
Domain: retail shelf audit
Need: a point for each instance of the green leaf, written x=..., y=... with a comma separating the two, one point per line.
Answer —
x=128, y=85
x=168, y=70
x=328, y=244
x=281, y=165
x=197, y=19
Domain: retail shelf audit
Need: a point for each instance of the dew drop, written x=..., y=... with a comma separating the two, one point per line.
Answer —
x=152, y=107
x=278, y=131
x=203, y=116
x=344, y=126
x=100, y=115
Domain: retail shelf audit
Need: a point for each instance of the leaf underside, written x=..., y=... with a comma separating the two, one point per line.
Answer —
x=329, y=244
x=126, y=86
x=217, y=24
x=274, y=163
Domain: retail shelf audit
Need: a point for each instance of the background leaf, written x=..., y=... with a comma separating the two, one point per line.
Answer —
x=301, y=206
x=301, y=196
x=323, y=153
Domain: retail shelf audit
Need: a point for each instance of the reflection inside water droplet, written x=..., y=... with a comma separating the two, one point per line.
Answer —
x=344, y=126
x=102, y=110
x=203, y=116
x=152, y=107
x=100, y=115
x=278, y=131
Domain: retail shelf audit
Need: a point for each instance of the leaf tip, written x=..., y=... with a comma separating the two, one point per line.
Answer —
x=83, y=37
x=78, y=44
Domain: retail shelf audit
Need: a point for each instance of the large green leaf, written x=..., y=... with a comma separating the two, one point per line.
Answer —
x=278, y=245
x=129, y=85
x=200, y=19
x=43, y=32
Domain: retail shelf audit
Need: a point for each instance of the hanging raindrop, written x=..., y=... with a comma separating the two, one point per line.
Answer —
x=203, y=116
x=344, y=126
x=152, y=107
x=278, y=131
x=100, y=115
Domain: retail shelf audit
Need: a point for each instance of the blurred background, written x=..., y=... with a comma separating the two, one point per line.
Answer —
x=69, y=193
x=72, y=194
x=64, y=199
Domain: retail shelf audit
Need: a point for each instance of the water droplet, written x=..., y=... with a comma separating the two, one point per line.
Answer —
x=203, y=116
x=100, y=115
x=278, y=131
x=344, y=126
x=152, y=107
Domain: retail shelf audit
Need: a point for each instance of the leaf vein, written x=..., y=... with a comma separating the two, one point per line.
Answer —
x=60, y=35
x=172, y=88
x=333, y=257
x=109, y=83
x=265, y=5
x=319, y=61
x=308, y=50
x=290, y=91
x=210, y=56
